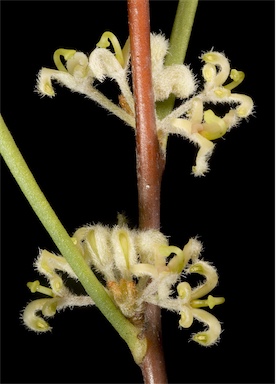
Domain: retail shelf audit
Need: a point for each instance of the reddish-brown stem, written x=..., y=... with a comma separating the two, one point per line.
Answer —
x=150, y=166
x=149, y=160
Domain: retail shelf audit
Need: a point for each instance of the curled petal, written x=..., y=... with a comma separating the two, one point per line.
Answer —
x=184, y=291
x=209, y=72
x=217, y=59
x=197, y=111
x=186, y=319
x=203, y=155
x=147, y=245
x=210, y=273
x=104, y=64
x=246, y=104
x=159, y=49
x=184, y=127
x=231, y=119
x=177, y=263
x=221, y=93
x=32, y=320
x=175, y=79
x=82, y=82
x=212, y=334
x=44, y=82
x=47, y=264
x=48, y=308
x=97, y=249
x=144, y=270
x=97, y=242
x=191, y=250
x=123, y=246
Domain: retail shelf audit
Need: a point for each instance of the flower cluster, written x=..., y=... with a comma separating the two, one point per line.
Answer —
x=190, y=120
x=137, y=267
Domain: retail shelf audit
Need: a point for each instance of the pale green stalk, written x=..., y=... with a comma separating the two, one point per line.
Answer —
x=63, y=241
x=179, y=40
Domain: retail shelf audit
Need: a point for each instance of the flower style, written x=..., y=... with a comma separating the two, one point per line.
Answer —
x=137, y=267
x=190, y=120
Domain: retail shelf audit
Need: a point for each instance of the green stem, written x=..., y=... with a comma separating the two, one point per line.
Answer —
x=179, y=40
x=63, y=241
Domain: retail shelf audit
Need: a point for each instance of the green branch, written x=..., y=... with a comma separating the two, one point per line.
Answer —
x=179, y=40
x=63, y=241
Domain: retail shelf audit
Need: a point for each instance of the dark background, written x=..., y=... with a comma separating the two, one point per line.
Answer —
x=84, y=161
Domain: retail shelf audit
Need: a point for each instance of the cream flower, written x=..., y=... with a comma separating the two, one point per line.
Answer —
x=59, y=296
x=137, y=267
x=189, y=119
x=203, y=126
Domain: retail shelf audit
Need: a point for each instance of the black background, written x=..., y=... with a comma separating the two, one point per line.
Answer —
x=84, y=161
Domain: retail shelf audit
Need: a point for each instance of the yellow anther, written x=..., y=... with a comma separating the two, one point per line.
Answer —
x=36, y=287
x=41, y=325
x=104, y=42
x=66, y=53
x=211, y=335
x=45, y=267
x=215, y=58
x=209, y=57
x=57, y=283
x=201, y=338
x=209, y=72
x=237, y=77
x=197, y=268
x=48, y=89
x=222, y=92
